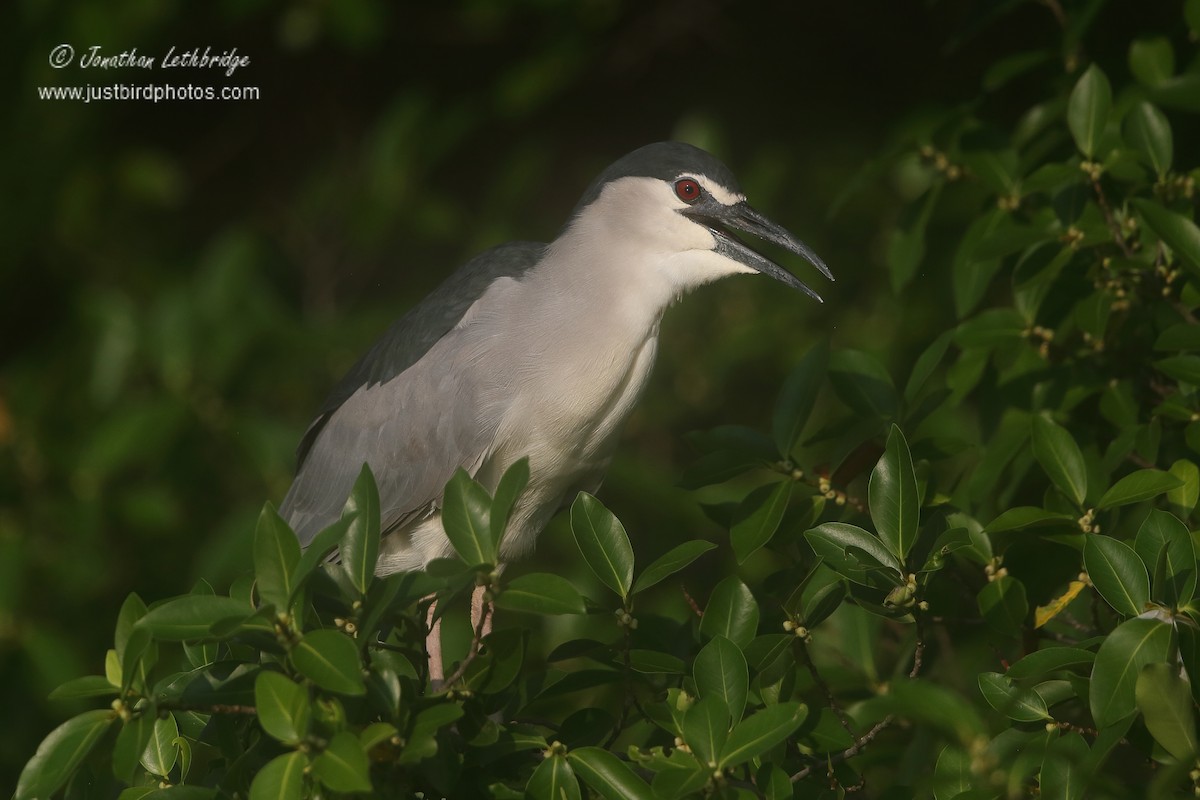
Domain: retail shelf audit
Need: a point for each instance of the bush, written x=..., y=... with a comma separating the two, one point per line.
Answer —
x=978, y=582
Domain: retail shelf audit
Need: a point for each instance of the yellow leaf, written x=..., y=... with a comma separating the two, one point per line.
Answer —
x=1044, y=614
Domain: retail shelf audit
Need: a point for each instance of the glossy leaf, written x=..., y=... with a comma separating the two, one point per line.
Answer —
x=282, y=705
x=1183, y=498
x=541, y=593
x=892, y=492
x=276, y=553
x=1134, y=644
x=863, y=383
x=553, y=780
x=731, y=612
x=797, y=398
x=192, y=616
x=720, y=670
x=1147, y=130
x=1117, y=573
x=1064, y=773
x=161, y=753
x=1180, y=233
x=761, y=731
x=318, y=550
x=607, y=775
x=282, y=778
x=1088, y=109
x=1021, y=517
x=1060, y=457
x=855, y=554
x=61, y=753
x=360, y=544
x=130, y=745
x=1138, y=486
x=1183, y=368
x=674, y=560
x=343, y=766
x=329, y=659
x=1016, y=703
x=84, y=687
x=1048, y=660
x=1152, y=60
x=508, y=491
x=705, y=727
x=466, y=516
x=603, y=542
x=1166, y=547
x=758, y=517
x=1165, y=700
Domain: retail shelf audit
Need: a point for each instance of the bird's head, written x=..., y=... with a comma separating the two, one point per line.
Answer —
x=681, y=207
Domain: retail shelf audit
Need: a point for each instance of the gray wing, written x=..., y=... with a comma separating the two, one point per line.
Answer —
x=413, y=423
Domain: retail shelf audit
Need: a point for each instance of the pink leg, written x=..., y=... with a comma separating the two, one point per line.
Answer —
x=433, y=646
x=479, y=610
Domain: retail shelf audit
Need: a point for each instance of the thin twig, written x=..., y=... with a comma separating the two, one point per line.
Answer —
x=852, y=750
x=213, y=708
x=825, y=689
x=1110, y=220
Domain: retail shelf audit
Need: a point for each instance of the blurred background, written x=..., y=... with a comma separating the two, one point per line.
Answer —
x=182, y=282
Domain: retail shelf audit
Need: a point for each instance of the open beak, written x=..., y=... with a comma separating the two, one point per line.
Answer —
x=720, y=219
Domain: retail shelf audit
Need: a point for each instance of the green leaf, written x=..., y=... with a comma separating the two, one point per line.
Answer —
x=161, y=752
x=1049, y=659
x=1184, y=497
x=343, y=766
x=1003, y=605
x=1181, y=336
x=797, y=398
x=731, y=612
x=192, y=616
x=926, y=363
x=61, y=753
x=329, y=658
x=541, y=593
x=608, y=776
x=317, y=551
x=862, y=382
x=466, y=516
x=1014, y=702
x=653, y=662
x=1134, y=644
x=952, y=774
x=705, y=726
x=1056, y=451
x=603, y=542
x=1064, y=774
x=131, y=743
x=1117, y=573
x=360, y=544
x=1176, y=230
x=671, y=562
x=553, y=780
x=1152, y=60
x=1138, y=486
x=1166, y=548
x=758, y=517
x=276, y=553
x=84, y=687
x=1021, y=517
x=855, y=554
x=1147, y=130
x=283, y=707
x=282, y=778
x=720, y=670
x=1088, y=109
x=1183, y=368
x=1165, y=700
x=761, y=731
x=892, y=494
x=512, y=483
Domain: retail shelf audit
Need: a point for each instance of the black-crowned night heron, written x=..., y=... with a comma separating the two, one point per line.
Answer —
x=530, y=349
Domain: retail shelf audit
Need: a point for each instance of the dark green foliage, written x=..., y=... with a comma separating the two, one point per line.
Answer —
x=956, y=558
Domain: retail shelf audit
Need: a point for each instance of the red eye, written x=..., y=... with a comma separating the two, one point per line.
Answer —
x=687, y=190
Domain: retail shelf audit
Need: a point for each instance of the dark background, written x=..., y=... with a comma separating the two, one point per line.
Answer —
x=182, y=282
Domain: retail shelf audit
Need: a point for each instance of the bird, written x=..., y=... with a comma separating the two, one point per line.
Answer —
x=529, y=350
